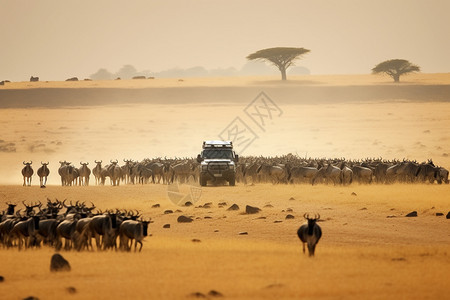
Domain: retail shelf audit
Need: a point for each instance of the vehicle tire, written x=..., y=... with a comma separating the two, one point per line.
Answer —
x=232, y=181
x=202, y=180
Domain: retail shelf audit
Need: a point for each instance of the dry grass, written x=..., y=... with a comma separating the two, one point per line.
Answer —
x=362, y=254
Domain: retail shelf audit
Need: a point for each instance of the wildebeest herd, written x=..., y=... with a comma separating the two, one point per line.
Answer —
x=287, y=169
x=75, y=224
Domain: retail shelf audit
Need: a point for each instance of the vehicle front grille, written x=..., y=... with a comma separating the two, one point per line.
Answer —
x=217, y=168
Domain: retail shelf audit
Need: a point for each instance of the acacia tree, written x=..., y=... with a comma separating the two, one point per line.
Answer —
x=282, y=57
x=395, y=68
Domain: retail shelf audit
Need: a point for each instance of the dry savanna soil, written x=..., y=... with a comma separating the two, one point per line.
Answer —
x=369, y=248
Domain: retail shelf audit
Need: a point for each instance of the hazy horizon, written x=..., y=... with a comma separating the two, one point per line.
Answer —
x=57, y=40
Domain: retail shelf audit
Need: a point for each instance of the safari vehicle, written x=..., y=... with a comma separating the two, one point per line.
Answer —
x=217, y=162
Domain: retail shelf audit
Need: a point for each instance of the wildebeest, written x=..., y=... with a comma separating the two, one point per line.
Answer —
x=114, y=172
x=298, y=174
x=277, y=174
x=362, y=174
x=84, y=172
x=34, y=79
x=102, y=228
x=43, y=173
x=310, y=233
x=429, y=172
x=24, y=231
x=132, y=230
x=97, y=171
x=66, y=229
x=27, y=172
x=329, y=172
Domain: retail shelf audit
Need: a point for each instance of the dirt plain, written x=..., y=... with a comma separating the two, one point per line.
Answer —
x=369, y=249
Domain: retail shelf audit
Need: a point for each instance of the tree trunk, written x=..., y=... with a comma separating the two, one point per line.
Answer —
x=283, y=73
x=396, y=77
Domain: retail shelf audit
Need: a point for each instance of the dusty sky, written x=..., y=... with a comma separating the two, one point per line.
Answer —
x=59, y=39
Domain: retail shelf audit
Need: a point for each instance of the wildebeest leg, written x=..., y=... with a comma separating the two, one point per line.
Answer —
x=23, y=180
x=311, y=248
x=303, y=248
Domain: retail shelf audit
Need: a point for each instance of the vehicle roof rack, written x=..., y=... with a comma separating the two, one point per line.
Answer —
x=217, y=144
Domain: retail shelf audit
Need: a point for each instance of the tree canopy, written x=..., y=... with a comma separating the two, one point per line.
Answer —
x=395, y=68
x=282, y=57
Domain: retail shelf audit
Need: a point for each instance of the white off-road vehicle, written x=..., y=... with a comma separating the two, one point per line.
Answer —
x=217, y=162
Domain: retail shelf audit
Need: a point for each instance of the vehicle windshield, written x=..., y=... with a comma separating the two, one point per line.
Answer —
x=218, y=153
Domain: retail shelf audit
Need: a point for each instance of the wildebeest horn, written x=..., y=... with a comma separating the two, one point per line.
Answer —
x=24, y=163
x=25, y=204
x=318, y=217
x=64, y=203
x=306, y=216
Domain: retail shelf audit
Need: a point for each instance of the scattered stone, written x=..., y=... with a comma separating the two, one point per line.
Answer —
x=197, y=294
x=448, y=215
x=184, y=219
x=412, y=214
x=261, y=218
x=156, y=205
x=292, y=198
x=207, y=206
x=166, y=226
x=364, y=208
x=289, y=210
x=391, y=216
x=214, y=293
x=354, y=194
x=268, y=205
x=243, y=233
x=31, y=298
x=207, y=217
x=217, y=230
x=399, y=259
x=189, y=203
x=71, y=290
x=233, y=207
x=168, y=211
x=289, y=217
x=222, y=204
x=274, y=285
x=252, y=209
x=196, y=240
x=439, y=214
x=178, y=211
x=2, y=278
x=277, y=221
x=59, y=263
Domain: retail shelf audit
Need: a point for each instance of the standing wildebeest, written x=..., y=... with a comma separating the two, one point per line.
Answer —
x=126, y=170
x=84, y=173
x=310, y=233
x=444, y=175
x=24, y=230
x=27, y=172
x=362, y=174
x=67, y=172
x=102, y=226
x=115, y=172
x=276, y=174
x=43, y=173
x=429, y=172
x=299, y=174
x=132, y=230
x=329, y=172
x=97, y=171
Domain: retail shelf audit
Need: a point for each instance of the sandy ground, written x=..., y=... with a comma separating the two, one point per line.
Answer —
x=363, y=254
